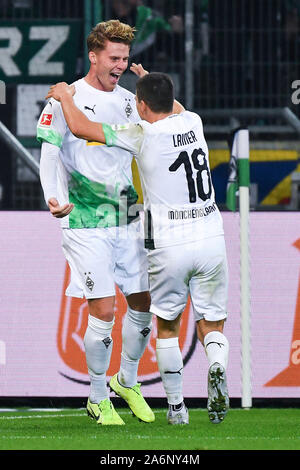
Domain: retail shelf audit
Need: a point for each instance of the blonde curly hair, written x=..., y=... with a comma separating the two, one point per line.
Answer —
x=112, y=30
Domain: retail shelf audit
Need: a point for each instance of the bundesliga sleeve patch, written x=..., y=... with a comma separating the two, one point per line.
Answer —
x=46, y=119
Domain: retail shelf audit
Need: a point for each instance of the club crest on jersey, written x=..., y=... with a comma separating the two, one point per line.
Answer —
x=128, y=108
x=46, y=119
x=89, y=282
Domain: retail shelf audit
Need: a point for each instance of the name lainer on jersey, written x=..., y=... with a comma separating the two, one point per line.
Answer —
x=184, y=139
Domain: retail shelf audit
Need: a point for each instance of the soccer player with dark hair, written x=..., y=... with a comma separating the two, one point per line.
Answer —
x=186, y=246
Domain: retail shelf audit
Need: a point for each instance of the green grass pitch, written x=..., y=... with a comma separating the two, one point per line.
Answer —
x=71, y=429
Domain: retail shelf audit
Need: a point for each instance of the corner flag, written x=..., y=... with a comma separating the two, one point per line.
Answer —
x=238, y=165
x=239, y=180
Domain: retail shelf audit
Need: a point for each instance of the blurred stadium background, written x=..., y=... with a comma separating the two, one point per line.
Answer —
x=235, y=62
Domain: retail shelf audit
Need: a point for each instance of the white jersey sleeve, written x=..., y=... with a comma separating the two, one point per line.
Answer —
x=48, y=168
x=52, y=125
x=128, y=136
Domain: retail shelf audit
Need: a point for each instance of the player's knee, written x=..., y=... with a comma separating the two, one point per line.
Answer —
x=167, y=328
x=105, y=315
x=139, y=301
x=103, y=309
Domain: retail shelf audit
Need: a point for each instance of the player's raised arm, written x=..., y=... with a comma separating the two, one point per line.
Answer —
x=139, y=70
x=77, y=122
x=177, y=107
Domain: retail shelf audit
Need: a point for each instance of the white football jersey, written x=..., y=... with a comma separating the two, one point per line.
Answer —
x=173, y=162
x=96, y=178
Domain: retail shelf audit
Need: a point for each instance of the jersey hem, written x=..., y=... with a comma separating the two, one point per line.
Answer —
x=184, y=242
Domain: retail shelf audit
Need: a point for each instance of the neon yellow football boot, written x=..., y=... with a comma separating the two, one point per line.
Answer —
x=104, y=413
x=134, y=399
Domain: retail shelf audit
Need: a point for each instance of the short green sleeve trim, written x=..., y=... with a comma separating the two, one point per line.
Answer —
x=49, y=135
x=110, y=135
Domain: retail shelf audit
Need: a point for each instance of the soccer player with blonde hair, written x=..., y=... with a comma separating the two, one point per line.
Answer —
x=185, y=239
x=89, y=187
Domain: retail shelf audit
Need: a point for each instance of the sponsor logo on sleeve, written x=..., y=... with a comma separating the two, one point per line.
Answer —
x=46, y=120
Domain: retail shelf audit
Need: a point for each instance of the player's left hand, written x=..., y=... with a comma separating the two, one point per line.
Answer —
x=59, y=90
x=57, y=210
x=138, y=69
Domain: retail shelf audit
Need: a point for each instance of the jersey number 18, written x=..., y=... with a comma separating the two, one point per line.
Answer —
x=203, y=172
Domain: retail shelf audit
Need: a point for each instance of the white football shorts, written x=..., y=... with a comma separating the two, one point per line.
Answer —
x=99, y=258
x=196, y=268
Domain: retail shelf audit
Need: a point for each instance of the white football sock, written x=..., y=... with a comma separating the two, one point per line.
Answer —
x=217, y=348
x=98, y=347
x=170, y=364
x=136, y=332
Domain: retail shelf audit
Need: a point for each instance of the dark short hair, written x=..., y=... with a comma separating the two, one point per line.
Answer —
x=156, y=89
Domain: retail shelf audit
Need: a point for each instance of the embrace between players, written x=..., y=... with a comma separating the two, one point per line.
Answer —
x=177, y=257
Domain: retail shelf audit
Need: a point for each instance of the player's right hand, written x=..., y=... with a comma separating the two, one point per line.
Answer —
x=60, y=89
x=138, y=69
x=57, y=210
